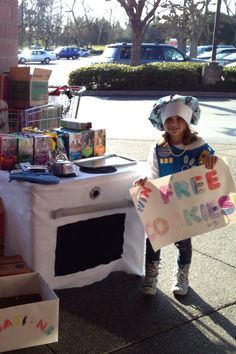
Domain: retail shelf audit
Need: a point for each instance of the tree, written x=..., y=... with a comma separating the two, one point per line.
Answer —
x=140, y=13
x=188, y=19
x=40, y=22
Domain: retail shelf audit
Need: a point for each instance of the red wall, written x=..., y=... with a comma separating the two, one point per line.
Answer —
x=8, y=34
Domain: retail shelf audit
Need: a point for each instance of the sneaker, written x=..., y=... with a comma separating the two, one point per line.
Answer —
x=150, y=280
x=180, y=284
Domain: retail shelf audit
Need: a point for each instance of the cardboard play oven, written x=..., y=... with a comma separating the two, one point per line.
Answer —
x=29, y=312
x=28, y=89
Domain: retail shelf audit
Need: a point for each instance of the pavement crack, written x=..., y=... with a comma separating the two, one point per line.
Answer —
x=168, y=330
x=215, y=259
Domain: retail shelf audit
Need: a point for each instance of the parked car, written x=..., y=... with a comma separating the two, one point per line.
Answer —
x=41, y=56
x=208, y=48
x=228, y=59
x=84, y=52
x=233, y=64
x=207, y=55
x=67, y=52
x=150, y=52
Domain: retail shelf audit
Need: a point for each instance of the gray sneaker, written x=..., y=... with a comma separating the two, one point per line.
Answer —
x=150, y=280
x=180, y=284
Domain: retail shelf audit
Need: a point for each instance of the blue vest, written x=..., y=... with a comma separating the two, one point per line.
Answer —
x=169, y=164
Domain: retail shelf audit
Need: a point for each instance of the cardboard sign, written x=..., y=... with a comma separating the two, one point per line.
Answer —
x=29, y=324
x=186, y=204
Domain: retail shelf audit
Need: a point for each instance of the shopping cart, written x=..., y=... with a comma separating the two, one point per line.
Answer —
x=68, y=97
x=45, y=117
x=63, y=102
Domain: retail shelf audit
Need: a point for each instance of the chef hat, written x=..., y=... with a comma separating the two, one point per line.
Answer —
x=186, y=107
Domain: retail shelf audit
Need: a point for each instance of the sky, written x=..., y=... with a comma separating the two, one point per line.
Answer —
x=100, y=8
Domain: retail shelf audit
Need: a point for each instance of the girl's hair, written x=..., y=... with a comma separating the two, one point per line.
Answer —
x=189, y=137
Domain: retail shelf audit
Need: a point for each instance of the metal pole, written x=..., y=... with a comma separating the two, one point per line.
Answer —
x=216, y=29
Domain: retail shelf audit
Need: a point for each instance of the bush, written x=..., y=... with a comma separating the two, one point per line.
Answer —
x=155, y=76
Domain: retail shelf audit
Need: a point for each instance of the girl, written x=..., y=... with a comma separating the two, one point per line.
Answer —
x=178, y=149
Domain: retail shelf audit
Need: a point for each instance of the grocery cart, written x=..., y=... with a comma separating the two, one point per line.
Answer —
x=63, y=102
x=45, y=117
x=68, y=97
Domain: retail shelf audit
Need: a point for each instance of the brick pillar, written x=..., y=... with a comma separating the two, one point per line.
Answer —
x=8, y=34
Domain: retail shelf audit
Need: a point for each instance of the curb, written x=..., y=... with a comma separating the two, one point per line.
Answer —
x=152, y=93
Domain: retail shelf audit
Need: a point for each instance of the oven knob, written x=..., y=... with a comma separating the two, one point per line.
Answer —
x=95, y=192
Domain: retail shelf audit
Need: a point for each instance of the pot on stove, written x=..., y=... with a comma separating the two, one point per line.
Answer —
x=62, y=166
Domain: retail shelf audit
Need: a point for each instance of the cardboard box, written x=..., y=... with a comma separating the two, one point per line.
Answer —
x=28, y=89
x=99, y=142
x=29, y=324
x=12, y=265
x=8, y=151
x=4, y=128
x=87, y=143
x=25, y=148
x=73, y=145
x=73, y=124
x=42, y=152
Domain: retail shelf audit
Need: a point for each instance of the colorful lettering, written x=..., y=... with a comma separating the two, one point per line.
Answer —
x=204, y=212
x=24, y=320
x=149, y=231
x=212, y=180
x=143, y=196
x=42, y=326
x=197, y=184
x=160, y=226
x=226, y=205
x=145, y=192
x=7, y=323
x=49, y=330
x=165, y=192
x=181, y=189
x=213, y=209
x=191, y=215
x=17, y=320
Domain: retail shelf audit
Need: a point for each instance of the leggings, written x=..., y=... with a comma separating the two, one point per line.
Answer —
x=184, y=252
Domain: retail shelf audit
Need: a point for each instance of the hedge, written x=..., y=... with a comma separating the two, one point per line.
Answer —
x=155, y=76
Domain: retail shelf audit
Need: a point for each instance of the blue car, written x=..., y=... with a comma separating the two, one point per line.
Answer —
x=150, y=53
x=67, y=53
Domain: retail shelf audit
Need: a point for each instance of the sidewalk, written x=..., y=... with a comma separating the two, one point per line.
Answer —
x=112, y=316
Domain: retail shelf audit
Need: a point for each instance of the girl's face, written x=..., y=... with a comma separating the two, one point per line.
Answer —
x=175, y=126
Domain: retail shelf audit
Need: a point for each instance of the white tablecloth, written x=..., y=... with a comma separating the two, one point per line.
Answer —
x=35, y=211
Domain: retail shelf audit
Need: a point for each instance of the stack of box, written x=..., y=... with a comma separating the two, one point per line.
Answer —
x=84, y=143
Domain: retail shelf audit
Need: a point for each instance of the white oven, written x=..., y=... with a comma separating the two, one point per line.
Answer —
x=76, y=232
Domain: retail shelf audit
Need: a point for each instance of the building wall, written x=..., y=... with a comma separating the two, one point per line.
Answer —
x=8, y=34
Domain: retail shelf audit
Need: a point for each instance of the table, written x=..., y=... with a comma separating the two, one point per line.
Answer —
x=78, y=231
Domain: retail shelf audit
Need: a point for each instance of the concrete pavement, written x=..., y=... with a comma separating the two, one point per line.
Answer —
x=112, y=316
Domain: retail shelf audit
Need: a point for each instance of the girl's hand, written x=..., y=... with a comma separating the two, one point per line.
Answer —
x=140, y=182
x=210, y=161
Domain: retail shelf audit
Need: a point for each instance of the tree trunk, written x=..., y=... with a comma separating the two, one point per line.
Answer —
x=193, y=49
x=136, y=44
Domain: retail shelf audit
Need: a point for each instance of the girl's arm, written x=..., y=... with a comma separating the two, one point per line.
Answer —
x=152, y=169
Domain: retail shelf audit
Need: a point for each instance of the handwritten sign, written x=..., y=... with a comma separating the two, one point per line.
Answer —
x=186, y=204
